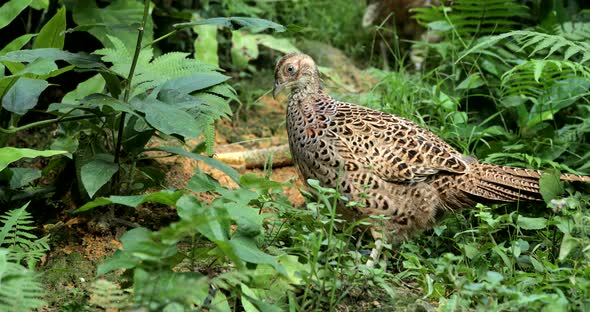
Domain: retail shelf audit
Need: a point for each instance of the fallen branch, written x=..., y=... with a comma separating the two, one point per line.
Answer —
x=258, y=158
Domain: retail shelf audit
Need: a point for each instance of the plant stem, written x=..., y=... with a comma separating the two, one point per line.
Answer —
x=160, y=38
x=41, y=123
x=146, y=9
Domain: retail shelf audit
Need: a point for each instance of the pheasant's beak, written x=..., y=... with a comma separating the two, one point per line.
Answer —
x=278, y=88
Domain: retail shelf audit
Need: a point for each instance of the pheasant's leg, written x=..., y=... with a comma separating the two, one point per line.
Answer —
x=377, y=250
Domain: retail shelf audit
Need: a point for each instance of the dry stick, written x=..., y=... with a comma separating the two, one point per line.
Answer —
x=257, y=158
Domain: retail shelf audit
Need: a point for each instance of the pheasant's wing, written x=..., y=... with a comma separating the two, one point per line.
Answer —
x=394, y=148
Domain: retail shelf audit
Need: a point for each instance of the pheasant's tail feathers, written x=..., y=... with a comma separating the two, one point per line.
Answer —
x=507, y=184
x=502, y=184
x=575, y=177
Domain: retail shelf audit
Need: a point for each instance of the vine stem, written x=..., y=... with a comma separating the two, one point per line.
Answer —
x=41, y=123
x=121, y=127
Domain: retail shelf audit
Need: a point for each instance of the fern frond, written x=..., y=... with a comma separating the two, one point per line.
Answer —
x=19, y=288
x=14, y=235
x=209, y=134
x=150, y=73
x=574, y=31
x=473, y=17
x=544, y=45
x=534, y=77
x=108, y=295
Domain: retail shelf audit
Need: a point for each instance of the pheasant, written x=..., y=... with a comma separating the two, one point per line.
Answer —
x=389, y=164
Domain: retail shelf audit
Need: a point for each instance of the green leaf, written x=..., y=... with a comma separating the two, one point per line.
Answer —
x=206, y=44
x=133, y=241
x=211, y=222
x=194, y=82
x=202, y=182
x=284, y=45
x=94, y=84
x=10, y=10
x=531, y=223
x=243, y=49
x=17, y=43
x=235, y=23
x=550, y=185
x=23, y=95
x=165, y=197
x=472, y=82
x=9, y=223
x=78, y=59
x=568, y=244
x=258, y=182
x=23, y=176
x=53, y=33
x=97, y=173
x=39, y=66
x=166, y=118
x=245, y=248
x=119, y=19
x=229, y=171
x=11, y=154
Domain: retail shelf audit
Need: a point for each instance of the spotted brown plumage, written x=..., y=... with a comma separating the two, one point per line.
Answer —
x=389, y=164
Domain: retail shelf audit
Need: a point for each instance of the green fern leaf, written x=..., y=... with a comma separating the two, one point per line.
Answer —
x=473, y=17
x=19, y=288
x=108, y=295
x=14, y=235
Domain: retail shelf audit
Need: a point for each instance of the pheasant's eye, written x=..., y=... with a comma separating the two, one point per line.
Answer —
x=291, y=69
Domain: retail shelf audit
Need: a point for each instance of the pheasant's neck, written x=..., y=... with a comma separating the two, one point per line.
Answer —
x=305, y=92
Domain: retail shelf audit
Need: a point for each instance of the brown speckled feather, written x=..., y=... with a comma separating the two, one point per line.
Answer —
x=388, y=163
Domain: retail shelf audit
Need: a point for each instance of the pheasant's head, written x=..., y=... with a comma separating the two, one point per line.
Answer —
x=298, y=73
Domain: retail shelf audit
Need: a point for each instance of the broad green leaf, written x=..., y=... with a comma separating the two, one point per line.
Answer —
x=235, y=23
x=220, y=303
x=258, y=182
x=531, y=223
x=97, y=173
x=123, y=259
x=10, y=10
x=78, y=59
x=206, y=44
x=165, y=197
x=550, y=186
x=166, y=118
x=245, y=248
x=248, y=299
x=568, y=244
x=284, y=45
x=40, y=4
x=39, y=66
x=9, y=155
x=229, y=171
x=52, y=34
x=94, y=84
x=202, y=182
x=23, y=95
x=243, y=49
x=23, y=176
x=194, y=82
x=66, y=143
x=293, y=267
x=17, y=43
x=472, y=82
x=101, y=101
x=119, y=19
x=211, y=222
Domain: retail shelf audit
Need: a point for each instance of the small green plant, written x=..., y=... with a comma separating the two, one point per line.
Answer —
x=20, y=288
